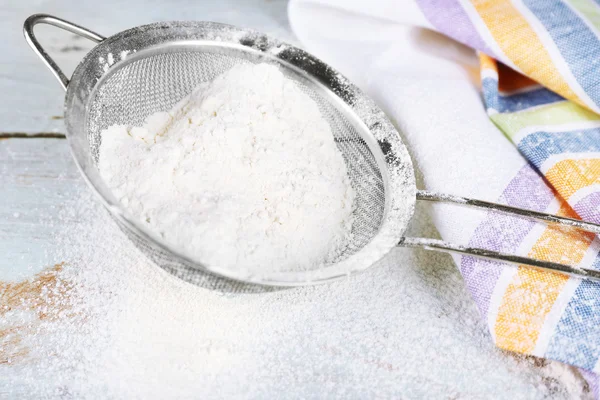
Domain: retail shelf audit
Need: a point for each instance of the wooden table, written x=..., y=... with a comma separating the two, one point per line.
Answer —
x=426, y=339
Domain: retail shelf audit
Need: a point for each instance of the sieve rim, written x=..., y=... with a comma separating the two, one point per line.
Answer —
x=398, y=174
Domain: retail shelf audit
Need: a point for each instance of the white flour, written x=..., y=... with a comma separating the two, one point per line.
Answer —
x=242, y=173
x=124, y=329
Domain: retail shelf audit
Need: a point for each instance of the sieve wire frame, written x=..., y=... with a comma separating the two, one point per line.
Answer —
x=383, y=141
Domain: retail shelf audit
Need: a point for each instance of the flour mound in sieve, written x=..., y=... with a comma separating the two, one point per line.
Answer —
x=243, y=173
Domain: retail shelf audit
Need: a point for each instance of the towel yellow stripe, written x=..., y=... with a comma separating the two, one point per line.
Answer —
x=521, y=45
x=569, y=176
x=532, y=293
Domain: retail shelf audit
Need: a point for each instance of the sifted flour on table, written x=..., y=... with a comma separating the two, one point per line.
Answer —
x=243, y=172
x=111, y=325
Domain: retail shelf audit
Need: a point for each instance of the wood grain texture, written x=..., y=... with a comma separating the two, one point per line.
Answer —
x=32, y=98
x=37, y=175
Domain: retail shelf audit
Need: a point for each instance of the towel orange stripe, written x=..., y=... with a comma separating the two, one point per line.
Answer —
x=487, y=62
x=569, y=176
x=522, y=45
x=532, y=293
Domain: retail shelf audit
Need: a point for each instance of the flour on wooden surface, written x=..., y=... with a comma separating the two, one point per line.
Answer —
x=114, y=326
x=242, y=173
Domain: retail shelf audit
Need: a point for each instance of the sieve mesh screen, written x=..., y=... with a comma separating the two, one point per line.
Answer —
x=133, y=90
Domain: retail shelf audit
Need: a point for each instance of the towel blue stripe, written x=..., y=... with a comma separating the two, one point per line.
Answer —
x=575, y=338
x=516, y=102
x=578, y=45
x=539, y=146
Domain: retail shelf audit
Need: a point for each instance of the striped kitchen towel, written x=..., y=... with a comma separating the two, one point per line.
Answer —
x=540, y=70
x=540, y=83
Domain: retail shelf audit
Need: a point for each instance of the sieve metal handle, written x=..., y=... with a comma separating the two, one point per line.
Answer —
x=440, y=245
x=445, y=247
x=521, y=212
x=35, y=19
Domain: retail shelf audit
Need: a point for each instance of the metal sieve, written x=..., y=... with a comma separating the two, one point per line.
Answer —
x=146, y=69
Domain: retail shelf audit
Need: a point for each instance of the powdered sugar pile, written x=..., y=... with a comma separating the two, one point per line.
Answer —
x=243, y=173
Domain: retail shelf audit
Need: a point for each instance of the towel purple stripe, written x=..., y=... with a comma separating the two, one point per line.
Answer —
x=588, y=208
x=453, y=22
x=504, y=233
x=592, y=380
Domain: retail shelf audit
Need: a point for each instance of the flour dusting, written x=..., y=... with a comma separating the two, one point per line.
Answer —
x=108, y=324
x=242, y=173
